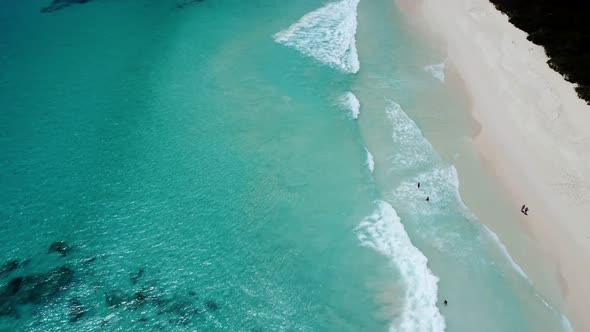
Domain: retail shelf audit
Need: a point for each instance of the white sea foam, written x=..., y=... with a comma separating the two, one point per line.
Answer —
x=504, y=250
x=455, y=182
x=351, y=103
x=440, y=184
x=413, y=150
x=543, y=301
x=383, y=232
x=326, y=34
x=565, y=323
x=567, y=326
x=437, y=71
x=370, y=161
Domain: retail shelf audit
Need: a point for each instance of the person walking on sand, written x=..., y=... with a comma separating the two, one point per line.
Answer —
x=522, y=208
x=526, y=211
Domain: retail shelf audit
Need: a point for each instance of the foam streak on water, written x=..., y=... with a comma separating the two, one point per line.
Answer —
x=441, y=184
x=370, y=161
x=504, y=250
x=383, y=232
x=437, y=71
x=566, y=324
x=413, y=150
x=326, y=34
x=351, y=103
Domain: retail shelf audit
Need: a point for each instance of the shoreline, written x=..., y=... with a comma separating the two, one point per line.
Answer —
x=532, y=134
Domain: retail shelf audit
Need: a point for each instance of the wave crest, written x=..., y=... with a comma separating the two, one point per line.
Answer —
x=370, y=161
x=383, y=232
x=326, y=34
x=413, y=150
x=351, y=103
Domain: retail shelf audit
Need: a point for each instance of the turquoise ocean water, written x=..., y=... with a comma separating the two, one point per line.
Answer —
x=204, y=167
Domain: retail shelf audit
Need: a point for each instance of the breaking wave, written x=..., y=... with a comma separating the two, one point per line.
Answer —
x=326, y=34
x=370, y=161
x=351, y=103
x=383, y=232
x=413, y=150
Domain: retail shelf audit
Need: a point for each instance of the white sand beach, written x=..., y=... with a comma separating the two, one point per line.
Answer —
x=533, y=133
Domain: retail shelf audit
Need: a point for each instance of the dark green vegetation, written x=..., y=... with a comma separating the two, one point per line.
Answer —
x=21, y=292
x=562, y=28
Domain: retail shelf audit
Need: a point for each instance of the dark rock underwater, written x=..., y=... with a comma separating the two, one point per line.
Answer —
x=61, y=4
x=145, y=299
x=57, y=5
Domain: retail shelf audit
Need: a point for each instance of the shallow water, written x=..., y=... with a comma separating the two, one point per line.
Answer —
x=205, y=168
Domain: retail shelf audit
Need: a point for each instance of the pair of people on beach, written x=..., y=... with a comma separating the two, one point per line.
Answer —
x=524, y=209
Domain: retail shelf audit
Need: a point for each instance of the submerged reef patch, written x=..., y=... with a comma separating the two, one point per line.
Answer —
x=60, y=247
x=186, y=3
x=24, y=293
x=7, y=268
x=61, y=4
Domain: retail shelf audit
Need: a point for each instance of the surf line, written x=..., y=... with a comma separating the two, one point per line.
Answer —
x=383, y=232
x=327, y=34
